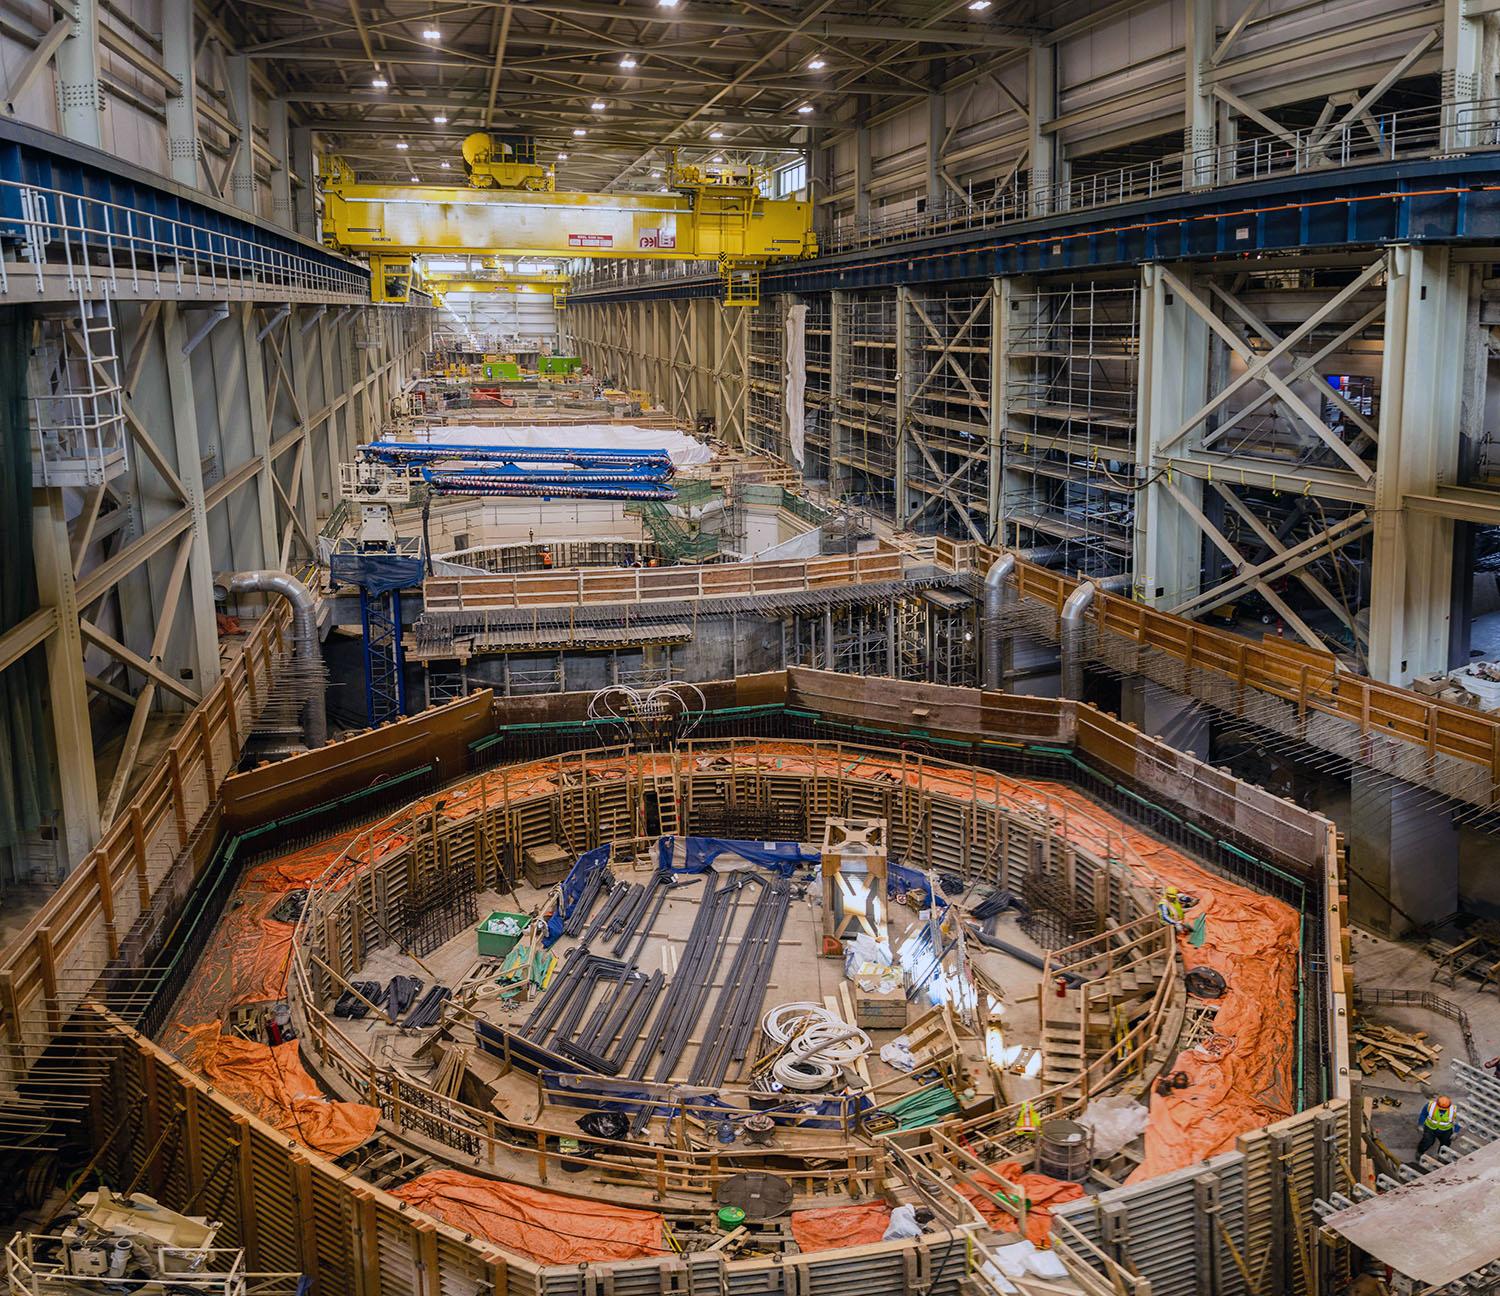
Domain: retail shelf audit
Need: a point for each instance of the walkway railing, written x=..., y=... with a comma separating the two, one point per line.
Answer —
x=1435, y=130
x=65, y=244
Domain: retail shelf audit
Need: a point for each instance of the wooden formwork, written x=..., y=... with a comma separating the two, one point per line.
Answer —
x=86, y=924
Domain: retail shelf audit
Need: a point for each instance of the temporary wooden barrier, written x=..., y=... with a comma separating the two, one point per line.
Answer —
x=609, y=586
x=46, y=972
x=292, y=1209
x=439, y=736
x=945, y=815
x=1318, y=701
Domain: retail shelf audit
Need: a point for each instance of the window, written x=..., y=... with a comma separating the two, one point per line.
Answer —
x=790, y=178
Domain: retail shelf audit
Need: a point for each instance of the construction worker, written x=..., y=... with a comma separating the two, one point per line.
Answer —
x=1439, y=1123
x=1027, y=1121
x=546, y=558
x=1173, y=912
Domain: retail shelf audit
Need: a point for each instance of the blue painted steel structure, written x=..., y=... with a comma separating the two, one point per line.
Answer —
x=190, y=224
x=385, y=660
x=1443, y=200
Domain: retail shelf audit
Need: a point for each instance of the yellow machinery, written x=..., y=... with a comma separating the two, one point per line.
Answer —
x=440, y=285
x=510, y=209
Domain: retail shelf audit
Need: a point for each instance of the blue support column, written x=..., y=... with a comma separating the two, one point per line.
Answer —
x=385, y=662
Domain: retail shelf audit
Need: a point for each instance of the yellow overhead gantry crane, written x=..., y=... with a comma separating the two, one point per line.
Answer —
x=512, y=208
x=439, y=285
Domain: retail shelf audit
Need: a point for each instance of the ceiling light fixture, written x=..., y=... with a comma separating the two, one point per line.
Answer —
x=978, y=6
x=715, y=134
x=579, y=132
x=440, y=120
x=444, y=165
x=416, y=180
x=380, y=83
x=817, y=65
x=805, y=109
x=562, y=157
x=628, y=61
x=402, y=145
x=718, y=158
x=598, y=105
x=666, y=4
x=431, y=33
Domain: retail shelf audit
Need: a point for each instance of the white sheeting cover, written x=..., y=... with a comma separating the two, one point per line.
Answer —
x=796, y=380
x=685, y=452
x=1439, y=1227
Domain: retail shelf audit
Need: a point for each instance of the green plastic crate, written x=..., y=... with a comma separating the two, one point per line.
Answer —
x=495, y=943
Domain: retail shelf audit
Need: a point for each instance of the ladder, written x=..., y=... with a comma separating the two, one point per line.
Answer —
x=77, y=404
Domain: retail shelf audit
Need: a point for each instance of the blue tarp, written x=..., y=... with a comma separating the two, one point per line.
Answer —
x=377, y=573
x=589, y=863
x=900, y=878
x=700, y=852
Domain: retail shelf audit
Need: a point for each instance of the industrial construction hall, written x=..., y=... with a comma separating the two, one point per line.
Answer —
x=750, y=647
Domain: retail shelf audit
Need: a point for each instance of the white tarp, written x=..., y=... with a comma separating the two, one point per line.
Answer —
x=1437, y=1228
x=796, y=380
x=684, y=450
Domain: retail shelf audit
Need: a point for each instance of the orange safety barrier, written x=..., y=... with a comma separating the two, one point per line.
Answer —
x=272, y=1084
x=1042, y=1193
x=543, y=1226
x=830, y=1228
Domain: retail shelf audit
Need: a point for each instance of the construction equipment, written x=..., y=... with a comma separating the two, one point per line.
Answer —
x=511, y=209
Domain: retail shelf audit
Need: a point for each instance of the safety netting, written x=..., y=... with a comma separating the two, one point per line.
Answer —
x=272, y=1084
x=1239, y=1079
x=547, y=1227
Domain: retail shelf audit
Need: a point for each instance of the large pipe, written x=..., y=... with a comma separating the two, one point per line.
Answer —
x=1071, y=632
x=994, y=628
x=304, y=638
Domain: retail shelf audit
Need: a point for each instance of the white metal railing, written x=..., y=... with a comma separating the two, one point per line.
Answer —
x=1434, y=130
x=200, y=1271
x=77, y=406
x=94, y=246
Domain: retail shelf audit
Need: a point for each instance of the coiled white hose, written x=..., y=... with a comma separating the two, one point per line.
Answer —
x=818, y=1043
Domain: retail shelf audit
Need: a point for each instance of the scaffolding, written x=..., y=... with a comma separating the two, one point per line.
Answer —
x=926, y=636
x=948, y=362
x=1071, y=353
x=819, y=395
x=766, y=406
x=864, y=396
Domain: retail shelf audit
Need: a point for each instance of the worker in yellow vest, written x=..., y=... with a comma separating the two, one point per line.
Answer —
x=1173, y=912
x=1439, y=1122
x=1027, y=1121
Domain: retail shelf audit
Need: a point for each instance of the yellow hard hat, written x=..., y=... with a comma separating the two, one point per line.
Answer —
x=1171, y=893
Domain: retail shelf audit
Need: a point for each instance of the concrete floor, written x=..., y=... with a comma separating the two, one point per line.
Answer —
x=1384, y=963
x=798, y=974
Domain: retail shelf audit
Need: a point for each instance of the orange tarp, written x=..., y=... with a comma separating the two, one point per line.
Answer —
x=544, y=1226
x=1241, y=1078
x=830, y=1227
x=250, y=954
x=1042, y=1192
x=272, y=1084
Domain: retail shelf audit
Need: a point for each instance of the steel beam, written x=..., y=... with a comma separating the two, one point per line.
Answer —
x=1421, y=412
x=67, y=690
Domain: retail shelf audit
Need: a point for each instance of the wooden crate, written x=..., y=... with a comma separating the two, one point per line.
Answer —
x=875, y=1011
x=545, y=866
